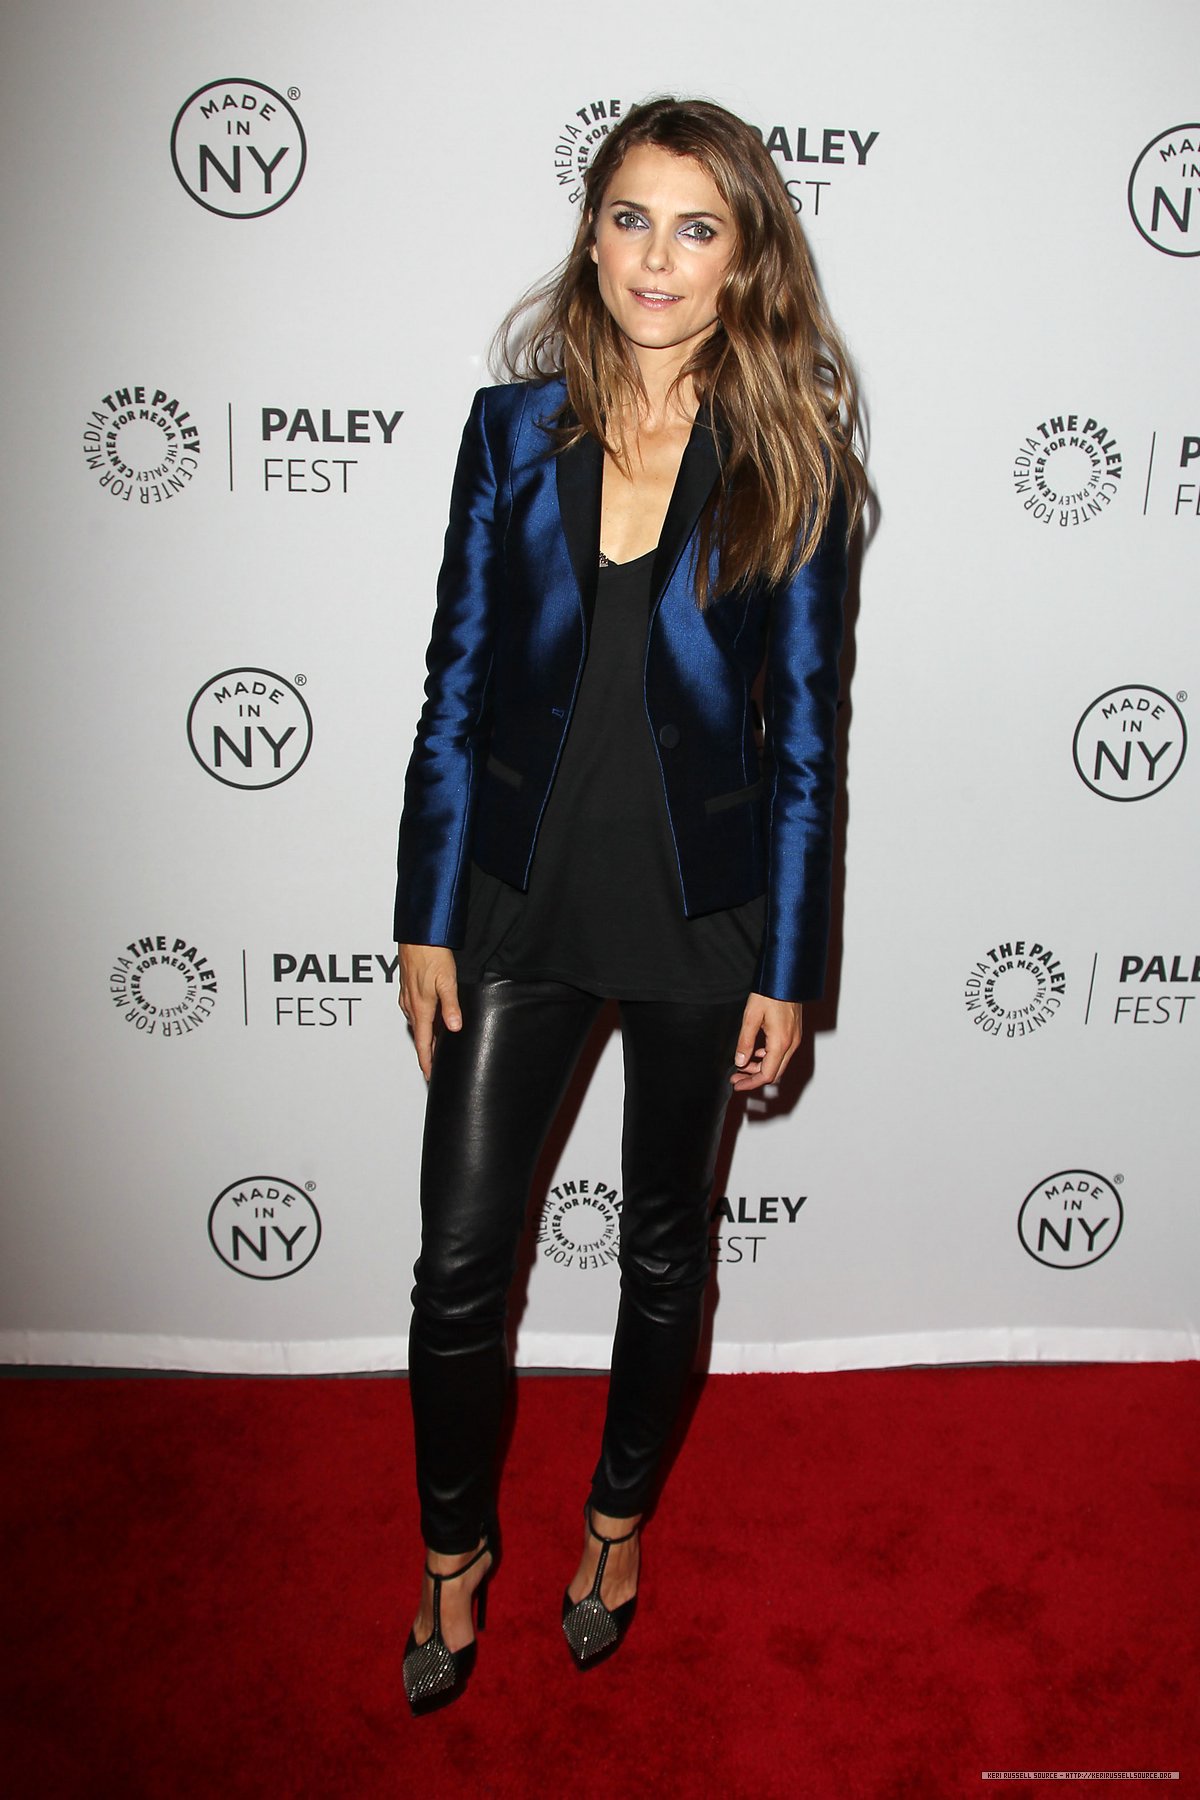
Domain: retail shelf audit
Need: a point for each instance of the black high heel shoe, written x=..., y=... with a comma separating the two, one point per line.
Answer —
x=434, y=1675
x=592, y=1630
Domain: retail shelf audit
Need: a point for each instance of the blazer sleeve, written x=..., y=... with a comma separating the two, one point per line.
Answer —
x=800, y=700
x=440, y=783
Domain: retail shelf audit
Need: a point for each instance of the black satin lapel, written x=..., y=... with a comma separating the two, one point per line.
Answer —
x=698, y=470
x=578, y=473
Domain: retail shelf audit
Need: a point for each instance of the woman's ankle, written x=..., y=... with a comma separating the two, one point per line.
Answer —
x=451, y=1562
x=612, y=1525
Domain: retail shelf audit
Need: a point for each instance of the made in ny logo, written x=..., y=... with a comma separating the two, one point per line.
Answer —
x=238, y=148
x=250, y=728
x=264, y=1227
x=1130, y=742
x=1071, y=1219
x=1164, y=191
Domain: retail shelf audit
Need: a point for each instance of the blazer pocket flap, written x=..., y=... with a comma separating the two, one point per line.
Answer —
x=503, y=772
x=734, y=797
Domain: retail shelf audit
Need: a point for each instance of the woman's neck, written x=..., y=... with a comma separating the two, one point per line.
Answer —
x=661, y=410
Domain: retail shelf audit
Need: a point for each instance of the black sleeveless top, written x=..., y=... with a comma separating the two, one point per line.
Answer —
x=604, y=910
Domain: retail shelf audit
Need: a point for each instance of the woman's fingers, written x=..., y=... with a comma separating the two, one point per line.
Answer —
x=781, y=1025
x=447, y=993
x=428, y=980
x=752, y=1020
x=418, y=1004
x=422, y=1024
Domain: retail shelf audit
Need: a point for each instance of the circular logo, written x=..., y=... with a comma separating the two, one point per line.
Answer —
x=580, y=1227
x=1067, y=471
x=1071, y=1219
x=1129, y=743
x=1163, y=188
x=1015, y=989
x=140, y=443
x=249, y=728
x=264, y=1227
x=577, y=141
x=162, y=986
x=238, y=148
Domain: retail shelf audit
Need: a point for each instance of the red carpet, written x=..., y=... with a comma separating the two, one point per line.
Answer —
x=871, y=1584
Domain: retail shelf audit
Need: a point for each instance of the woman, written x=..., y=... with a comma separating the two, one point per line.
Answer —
x=659, y=504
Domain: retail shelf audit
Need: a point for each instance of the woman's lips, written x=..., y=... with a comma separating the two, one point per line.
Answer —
x=656, y=302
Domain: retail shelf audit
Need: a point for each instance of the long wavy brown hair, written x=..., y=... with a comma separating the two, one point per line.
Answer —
x=773, y=367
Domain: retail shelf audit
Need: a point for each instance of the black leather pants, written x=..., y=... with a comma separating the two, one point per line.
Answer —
x=493, y=1093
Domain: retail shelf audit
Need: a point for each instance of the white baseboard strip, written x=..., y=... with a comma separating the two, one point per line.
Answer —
x=547, y=1350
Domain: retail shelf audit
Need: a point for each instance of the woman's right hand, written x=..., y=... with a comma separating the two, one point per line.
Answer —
x=428, y=979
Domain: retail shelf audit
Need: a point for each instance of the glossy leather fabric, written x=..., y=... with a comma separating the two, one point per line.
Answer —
x=493, y=1093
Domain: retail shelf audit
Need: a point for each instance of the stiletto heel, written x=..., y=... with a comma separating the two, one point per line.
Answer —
x=592, y=1630
x=434, y=1674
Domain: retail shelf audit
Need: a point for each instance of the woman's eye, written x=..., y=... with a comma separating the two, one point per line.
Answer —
x=627, y=221
x=699, y=232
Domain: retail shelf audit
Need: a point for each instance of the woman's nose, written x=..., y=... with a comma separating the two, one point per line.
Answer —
x=658, y=251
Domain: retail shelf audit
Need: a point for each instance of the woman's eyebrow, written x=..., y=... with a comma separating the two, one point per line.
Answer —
x=640, y=206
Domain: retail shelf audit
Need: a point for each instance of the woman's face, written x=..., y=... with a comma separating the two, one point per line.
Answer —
x=663, y=239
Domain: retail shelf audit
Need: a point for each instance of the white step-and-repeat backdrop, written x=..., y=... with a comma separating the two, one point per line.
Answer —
x=254, y=256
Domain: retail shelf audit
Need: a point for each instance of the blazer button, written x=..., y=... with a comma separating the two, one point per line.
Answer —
x=668, y=736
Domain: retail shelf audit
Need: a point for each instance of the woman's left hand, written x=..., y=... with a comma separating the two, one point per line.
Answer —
x=781, y=1023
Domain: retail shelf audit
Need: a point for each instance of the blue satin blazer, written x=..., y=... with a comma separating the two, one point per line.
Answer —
x=515, y=599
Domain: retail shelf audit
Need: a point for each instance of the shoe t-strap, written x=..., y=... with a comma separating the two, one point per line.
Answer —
x=451, y=1575
x=607, y=1541
x=606, y=1544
